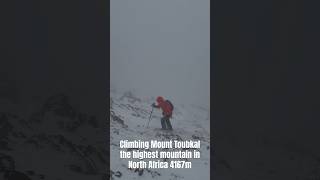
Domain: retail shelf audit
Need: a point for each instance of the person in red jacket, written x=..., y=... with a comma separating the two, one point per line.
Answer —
x=167, y=109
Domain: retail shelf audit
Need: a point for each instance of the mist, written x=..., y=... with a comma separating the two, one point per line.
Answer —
x=161, y=48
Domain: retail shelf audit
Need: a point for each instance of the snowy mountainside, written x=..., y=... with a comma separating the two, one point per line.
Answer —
x=50, y=143
x=129, y=118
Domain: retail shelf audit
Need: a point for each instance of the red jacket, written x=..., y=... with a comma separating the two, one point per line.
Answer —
x=165, y=106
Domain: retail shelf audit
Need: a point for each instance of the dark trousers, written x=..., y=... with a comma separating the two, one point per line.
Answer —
x=165, y=123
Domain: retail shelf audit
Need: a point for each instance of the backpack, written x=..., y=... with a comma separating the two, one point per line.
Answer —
x=171, y=105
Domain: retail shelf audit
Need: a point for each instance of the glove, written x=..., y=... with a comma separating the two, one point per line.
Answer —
x=153, y=105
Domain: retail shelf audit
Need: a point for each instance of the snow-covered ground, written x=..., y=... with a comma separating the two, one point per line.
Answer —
x=57, y=141
x=129, y=117
x=50, y=144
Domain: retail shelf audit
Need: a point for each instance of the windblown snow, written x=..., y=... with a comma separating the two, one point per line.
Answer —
x=129, y=118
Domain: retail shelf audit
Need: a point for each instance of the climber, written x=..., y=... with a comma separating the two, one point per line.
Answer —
x=167, y=109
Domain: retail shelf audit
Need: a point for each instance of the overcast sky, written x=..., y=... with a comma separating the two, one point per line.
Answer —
x=161, y=47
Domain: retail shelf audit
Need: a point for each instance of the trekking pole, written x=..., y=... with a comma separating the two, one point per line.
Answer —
x=150, y=117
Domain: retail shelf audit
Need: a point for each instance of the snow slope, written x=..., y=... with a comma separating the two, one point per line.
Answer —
x=50, y=144
x=129, y=117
